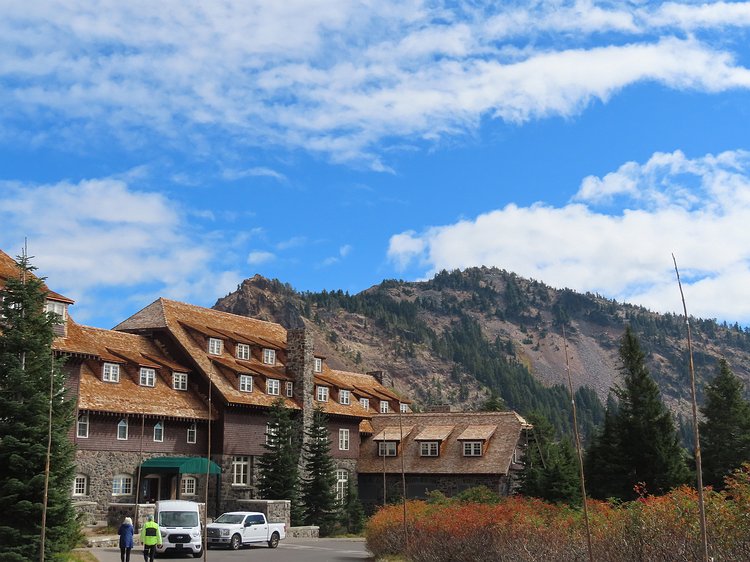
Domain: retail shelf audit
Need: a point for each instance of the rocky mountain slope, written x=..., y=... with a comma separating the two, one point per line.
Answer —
x=463, y=334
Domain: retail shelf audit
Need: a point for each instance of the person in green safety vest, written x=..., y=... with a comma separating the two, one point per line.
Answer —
x=150, y=537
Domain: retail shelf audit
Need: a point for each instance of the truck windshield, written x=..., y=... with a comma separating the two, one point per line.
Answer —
x=178, y=519
x=230, y=518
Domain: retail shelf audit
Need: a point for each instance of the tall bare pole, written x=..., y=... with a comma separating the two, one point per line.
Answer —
x=140, y=470
x=403, y=477
x=47, y=462
x=578, y=449
x=208, y=467
x=696, y=436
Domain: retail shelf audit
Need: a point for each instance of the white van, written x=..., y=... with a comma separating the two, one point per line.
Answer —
x=180, y=525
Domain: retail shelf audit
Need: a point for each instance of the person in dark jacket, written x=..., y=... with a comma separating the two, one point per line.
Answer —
x=126, y=532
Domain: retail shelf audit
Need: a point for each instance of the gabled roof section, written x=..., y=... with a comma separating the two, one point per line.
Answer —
x=9, y=269
x=393, y=433
x=151, y=317
x=500, y=432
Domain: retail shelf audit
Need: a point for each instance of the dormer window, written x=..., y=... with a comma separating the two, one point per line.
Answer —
x=318, y=367
x=387, y=448
x=179, y=381
x=290, y=389
x=344, y=397
x=384, y=409
x=322, y=394
x=59, y=308
x=215, y=345
x=111, y=372
x=365, y=403
x=148, y=377
x=429, y=448
x=269, y=356
x=243, y=351
x=246, y=383
x=273, y=386
x=404, y=408
x=472, y=448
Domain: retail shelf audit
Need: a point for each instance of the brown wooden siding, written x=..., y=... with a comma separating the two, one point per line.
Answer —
x=333, y=430
x=244, y=432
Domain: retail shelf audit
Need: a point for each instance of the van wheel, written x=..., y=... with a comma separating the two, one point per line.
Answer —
x=236, y=542
x=198, y=554
x=273, y=541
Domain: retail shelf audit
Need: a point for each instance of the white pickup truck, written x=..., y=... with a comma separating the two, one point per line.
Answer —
x=237, y=528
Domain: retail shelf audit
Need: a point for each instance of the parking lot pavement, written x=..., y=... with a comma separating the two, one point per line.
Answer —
x=289, y=550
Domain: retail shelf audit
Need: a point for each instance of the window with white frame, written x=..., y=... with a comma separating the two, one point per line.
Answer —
x=159, y=432
x=273, y=386
x=344, y=397
x=81, y=485
x=82, y=425
x=387, y=448
x=215, y=345
x=516, y=456
x=365, y=403
x=122, y=485
x=111, y=372
x=188, y=486
x=246, y=383
x=122, y=429
x=179, y=381
x=342, y=485
x=472, y=448
x=269, y=356
x=192, y=433
x=318, y=365
x=59, y=308
x=290, y=389
x=148, y=376
x=404, y=408
x=243, y=351
x=240, y=471
x=271, y=431
x=384, y=408
x=321, y=394
x=429, y=448
x=343, y=439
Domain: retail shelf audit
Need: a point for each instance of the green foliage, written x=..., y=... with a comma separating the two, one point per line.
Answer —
x=27, y=368
x=479, y=494
x=279, y=465
x=725, y=433
x=493, y=404
x=640, y=445
x=550, y=466
x=352, y=513
x=317, y=489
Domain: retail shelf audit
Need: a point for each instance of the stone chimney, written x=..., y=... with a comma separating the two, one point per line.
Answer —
x=383, y=378
x=299, y=364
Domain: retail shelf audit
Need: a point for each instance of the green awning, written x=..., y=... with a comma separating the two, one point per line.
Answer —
x=181, y=465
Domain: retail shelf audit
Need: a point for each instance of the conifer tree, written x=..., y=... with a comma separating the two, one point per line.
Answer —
x=606, y=475
x=27, y=373
x=725, y=433
x=642, y=445
x=318, y=494
x=278, y=466
x=352, y=513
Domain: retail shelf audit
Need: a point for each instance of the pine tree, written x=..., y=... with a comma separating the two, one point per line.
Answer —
x=278, y=467
x=318, y=494
x=27, y=368
x=604, y=463
x=550, y=466
x=642, y=446
x=725, y=433
x=352, y=512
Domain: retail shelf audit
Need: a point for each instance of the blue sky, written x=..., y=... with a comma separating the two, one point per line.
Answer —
x=176, y=148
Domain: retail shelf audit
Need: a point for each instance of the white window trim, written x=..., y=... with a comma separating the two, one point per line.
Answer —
x=343, y=439
x=345, y=397
x=147, y=375
x=384, y=407
x=124, y=478
x=186, y=483
x=215, y=346
x=403, y=407
x=240, y=470
x=120, y=424
x=429, y=448
x=270, y=433
x=387, y=448
x=159, y=426
x=365, y=403
x=290, y=389
x=269, y=356
x=192, y=430
x=318, y=365
x=247, y=382
x=342, y=485
x=273, y=387
x=82, y=422
x=111, y=372
x=469, y=448
x=78, y=478
x=242, y=351
x=56, y=307
x=179, y=381
x=321, y=393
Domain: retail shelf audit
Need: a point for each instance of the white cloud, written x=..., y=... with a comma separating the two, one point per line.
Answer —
x=257, y=257
x=259, y=171
x=341, y=77
x=102, y=233
x=622, y=254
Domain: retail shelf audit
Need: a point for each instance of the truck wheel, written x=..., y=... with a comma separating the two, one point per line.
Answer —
x=198, y=554
x=273, y=542
x=236, y=542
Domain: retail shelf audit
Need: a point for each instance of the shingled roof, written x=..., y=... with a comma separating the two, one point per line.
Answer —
x=500, y=433
x=9, y=269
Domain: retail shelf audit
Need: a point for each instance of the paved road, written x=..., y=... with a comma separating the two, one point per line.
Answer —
x=289, y=550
